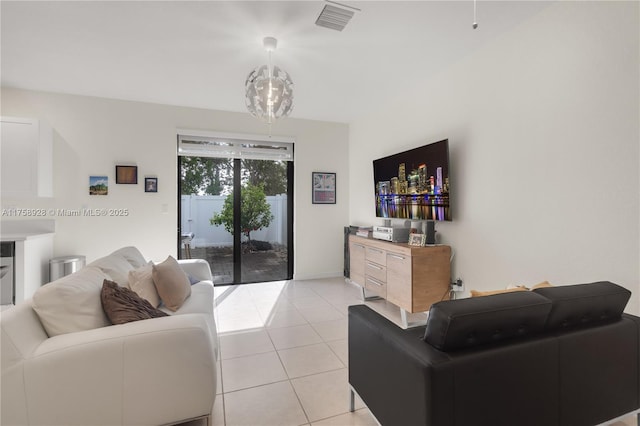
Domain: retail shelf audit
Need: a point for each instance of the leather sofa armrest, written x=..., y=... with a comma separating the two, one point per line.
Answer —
x=401, y=379
x=154, y=371
x=197, y=268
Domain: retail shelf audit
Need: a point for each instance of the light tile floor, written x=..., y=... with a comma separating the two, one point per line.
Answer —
x=283, y=354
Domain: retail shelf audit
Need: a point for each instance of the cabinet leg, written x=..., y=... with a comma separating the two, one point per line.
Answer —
x=406, y=324
x=366, y=298
x=403, y=317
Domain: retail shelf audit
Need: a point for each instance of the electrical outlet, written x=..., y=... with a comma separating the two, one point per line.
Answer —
x=457, y=285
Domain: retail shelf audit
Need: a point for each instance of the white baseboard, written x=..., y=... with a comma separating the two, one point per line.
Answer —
x=302, y=277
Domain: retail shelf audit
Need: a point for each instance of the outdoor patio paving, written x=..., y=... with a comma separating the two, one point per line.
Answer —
x=269, y=265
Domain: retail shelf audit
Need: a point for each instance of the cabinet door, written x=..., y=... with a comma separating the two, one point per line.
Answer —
x=19, y=157
x=356, y=262
x=399, y=279
x=27, y=158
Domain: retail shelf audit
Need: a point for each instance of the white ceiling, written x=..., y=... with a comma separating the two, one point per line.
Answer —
x=199, y=53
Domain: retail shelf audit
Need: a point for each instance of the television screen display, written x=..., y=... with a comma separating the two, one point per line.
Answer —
x=414, y=184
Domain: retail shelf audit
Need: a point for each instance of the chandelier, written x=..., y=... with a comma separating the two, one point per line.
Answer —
x=269, y=89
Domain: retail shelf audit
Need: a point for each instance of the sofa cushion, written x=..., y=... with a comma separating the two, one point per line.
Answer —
x=465, y=323
x=584, y=304
x=200, y=302
x=132, y=255
x=172, y=283
x=123, y=305
x=116, y=267
x=141, y=281
x=71, y=303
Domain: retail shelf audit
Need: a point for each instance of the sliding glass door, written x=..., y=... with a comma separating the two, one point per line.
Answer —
x=246, y=238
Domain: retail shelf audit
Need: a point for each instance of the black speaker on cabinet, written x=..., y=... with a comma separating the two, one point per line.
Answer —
x=431, y=232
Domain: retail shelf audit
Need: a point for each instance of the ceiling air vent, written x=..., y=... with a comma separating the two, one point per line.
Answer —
x=335, y=17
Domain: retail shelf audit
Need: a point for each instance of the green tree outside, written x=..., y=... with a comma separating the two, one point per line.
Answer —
x=255, y=212
x=210, y=176
x=271, y=174
x=204, y=175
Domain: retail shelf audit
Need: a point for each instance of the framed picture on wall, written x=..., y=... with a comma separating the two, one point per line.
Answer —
x=98, y=185
x=323, y=190
x=150, y=184
x=127, y=174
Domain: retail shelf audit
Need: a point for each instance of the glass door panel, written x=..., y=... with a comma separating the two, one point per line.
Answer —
x=204, y=185
x=245, y=240
x=265, y=221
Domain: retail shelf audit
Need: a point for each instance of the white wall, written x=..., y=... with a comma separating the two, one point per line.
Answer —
x=544, y=134
x=92, y=135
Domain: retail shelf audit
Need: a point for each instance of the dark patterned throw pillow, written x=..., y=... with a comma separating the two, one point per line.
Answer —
x=123, y=305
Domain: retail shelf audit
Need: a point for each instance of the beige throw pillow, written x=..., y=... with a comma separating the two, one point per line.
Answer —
x=141, y=281
x=543, y=284
x=172, y=283
x=476, y=293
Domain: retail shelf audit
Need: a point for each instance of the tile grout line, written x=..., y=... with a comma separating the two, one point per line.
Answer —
x=266, y=329
x=306, y=416
x=288, y=379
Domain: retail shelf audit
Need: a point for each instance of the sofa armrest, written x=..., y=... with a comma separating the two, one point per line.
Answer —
x=400, y=378
x=197, y=268
x=153, y=371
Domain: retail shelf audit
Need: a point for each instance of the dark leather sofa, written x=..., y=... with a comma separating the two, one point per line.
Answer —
x=559, y=356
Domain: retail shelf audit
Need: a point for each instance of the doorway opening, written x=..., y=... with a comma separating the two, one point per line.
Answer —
x=246, y=238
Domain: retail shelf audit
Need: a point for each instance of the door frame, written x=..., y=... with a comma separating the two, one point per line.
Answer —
x=237, y=235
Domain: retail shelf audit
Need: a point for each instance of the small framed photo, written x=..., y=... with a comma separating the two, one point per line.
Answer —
x=98, y=185
x=417, y=240
x=127, y=174
x=150, y=184
x=323, y=190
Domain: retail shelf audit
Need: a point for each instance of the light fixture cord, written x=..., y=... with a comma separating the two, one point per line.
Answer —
x=475, y=20
x=269, y=100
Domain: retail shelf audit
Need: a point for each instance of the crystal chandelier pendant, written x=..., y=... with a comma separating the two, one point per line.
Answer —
x=269, y=90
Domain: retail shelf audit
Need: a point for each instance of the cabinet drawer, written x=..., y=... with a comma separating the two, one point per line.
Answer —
x=375, y=286
x=376, y=255
x=375, y=271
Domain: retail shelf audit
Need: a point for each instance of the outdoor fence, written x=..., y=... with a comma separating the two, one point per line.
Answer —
x=196, y=210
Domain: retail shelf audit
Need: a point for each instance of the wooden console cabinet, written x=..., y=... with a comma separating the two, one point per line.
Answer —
x=412, y=278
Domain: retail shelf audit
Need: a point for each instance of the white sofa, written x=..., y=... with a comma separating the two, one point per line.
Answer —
x=152, y=372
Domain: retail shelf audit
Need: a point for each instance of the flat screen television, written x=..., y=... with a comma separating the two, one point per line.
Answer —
x=414, y=184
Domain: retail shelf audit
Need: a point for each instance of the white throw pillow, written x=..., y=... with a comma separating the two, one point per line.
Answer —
x=141, y=281
x=72, y=303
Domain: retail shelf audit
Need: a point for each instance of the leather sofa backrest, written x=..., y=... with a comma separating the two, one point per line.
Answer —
x=465, y=323
x=584, y=304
